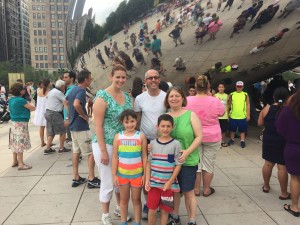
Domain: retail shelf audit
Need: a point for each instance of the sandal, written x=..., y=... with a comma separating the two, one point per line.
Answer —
x=288, y=209
x=223, y=144
x=211, y=192
x=25, y=167
x=15, y=164
x=285, y=198
x=265, y=190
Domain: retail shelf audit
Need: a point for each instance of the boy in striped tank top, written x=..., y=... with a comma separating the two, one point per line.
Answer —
x=128, y=163
x=162, y=170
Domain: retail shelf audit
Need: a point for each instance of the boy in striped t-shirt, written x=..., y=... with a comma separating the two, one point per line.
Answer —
x=161, y=171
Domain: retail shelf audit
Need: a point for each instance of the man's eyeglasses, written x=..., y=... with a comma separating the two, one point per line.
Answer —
x=152, y=78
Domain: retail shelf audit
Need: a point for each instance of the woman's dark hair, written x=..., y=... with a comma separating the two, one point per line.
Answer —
x=280, y=96
x=180, y=91
x=128, y=113
x=202, y=84
x=295, y=104
x=46, y=83
x=16, y=89
x=163, y=85
x=137, y=87
x=165, y=117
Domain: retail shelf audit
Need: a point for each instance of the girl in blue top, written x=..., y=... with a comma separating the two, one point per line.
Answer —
x=19, y=140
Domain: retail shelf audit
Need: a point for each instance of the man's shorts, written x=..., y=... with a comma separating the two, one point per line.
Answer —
x=162, y=199
x=223, y=125
x=187, y=177
x=55, y=123
x=132, y=182
x=82, y=142
x=240, y=124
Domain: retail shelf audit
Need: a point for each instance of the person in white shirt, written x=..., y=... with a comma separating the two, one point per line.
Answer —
x=54, y=117
x=149, y=106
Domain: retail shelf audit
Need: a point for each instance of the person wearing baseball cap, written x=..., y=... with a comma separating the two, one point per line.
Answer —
x=239, y=113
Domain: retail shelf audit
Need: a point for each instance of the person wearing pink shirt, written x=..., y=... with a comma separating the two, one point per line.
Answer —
x=214, y=27
x=208, y=109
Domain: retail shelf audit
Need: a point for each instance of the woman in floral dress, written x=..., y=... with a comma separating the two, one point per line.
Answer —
x=19, y=140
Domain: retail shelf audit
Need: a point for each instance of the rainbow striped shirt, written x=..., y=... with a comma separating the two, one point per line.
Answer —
x=163, y=158
x=130, y=155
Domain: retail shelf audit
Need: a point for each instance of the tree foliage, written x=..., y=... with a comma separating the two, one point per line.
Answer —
x=30, y=73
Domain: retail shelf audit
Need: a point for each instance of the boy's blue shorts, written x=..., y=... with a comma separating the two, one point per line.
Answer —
x=240, y=124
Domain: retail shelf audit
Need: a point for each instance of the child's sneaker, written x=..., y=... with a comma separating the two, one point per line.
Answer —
x=192, y=223
x=173, y=221
x=106, y=219
x=117, y=212
x=230, y=142
x=243, y=144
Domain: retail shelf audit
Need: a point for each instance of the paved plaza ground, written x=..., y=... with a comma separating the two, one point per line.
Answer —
x=43, y=195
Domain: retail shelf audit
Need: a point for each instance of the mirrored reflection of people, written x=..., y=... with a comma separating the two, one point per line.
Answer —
x=273, y=143
x=179, y=64
x=157, y=65
x=288, y=125
x=19, y=140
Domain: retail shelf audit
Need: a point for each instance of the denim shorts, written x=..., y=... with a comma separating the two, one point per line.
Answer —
x=187, y=177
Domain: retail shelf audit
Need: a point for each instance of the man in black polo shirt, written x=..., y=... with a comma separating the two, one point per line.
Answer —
x=175, y=34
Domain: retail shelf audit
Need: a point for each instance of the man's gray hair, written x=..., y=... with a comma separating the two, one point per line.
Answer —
x=59, y=83
x=146, y=74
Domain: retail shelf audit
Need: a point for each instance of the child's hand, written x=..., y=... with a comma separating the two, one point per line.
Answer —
x=143, y=180
x=183, y=157
x=147, y=185
x=167, y=186
x=149, y=148
x=116, y=181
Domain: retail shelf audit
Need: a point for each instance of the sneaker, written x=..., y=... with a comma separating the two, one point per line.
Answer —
x=106, y=220
x=192, y=223
x=173, y=221
x=145, y=212
x=60, y=151
x=95, y=183
x=49, y=151
x=243, y=144
x=230, y=142
x=117, y=212
x=76, y=183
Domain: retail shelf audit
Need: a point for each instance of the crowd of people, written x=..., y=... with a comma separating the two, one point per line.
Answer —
x=156, y=141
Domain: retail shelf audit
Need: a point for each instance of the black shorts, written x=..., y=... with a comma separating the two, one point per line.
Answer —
x=223, y=125
x=187, y=177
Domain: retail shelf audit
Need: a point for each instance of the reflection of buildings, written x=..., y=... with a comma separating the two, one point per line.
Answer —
x=14, y=31
x=76, y=23
x=48, y=33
